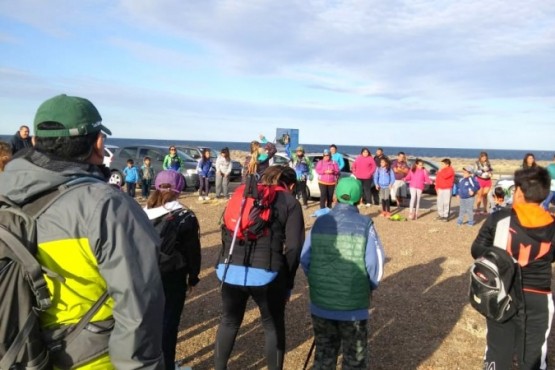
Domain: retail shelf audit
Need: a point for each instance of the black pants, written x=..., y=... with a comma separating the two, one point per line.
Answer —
x=524, y=335
x=175, y=289
x=326, y=195
x=300, y=189
x=366, y=190
x=131, y=186
x=375, y=194
x=271, y=303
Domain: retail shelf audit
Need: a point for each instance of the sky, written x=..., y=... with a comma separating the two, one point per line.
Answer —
x=438, y=73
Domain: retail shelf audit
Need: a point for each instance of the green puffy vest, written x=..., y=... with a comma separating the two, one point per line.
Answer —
x=337, y=277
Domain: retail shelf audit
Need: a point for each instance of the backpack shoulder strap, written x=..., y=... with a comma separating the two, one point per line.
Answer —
x=502, y=233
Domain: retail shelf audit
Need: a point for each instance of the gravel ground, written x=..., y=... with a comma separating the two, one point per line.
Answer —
x=420, y=316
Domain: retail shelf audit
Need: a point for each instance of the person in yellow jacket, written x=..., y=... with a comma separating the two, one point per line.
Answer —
x=96, y=238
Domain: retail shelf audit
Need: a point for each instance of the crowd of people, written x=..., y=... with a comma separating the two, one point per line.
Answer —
x=148, y=260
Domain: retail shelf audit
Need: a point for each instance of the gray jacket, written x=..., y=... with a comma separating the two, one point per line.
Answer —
x=121, y=239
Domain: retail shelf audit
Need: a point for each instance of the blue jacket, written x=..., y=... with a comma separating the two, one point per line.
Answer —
x=131, y=174
x=351, y=227
x=204, y=167
x=384, y=178
x=466, y=184
x=338, y=158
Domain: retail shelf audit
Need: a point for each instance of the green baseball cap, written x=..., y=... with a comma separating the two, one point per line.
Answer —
x=348, y=190
x=78, y=116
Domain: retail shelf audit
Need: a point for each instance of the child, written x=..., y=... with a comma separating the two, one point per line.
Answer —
x=523, y=338
x=5, y=154
x=498, y=200
x=417, y=178
x=468, y=187
x=445, y=178
x=384, y=179
x=131, y=177
x=204, y=170
x=146, y=174
x=223, y=169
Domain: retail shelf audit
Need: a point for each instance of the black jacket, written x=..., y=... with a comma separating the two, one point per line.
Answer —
x=19, y=143
x=533, y=246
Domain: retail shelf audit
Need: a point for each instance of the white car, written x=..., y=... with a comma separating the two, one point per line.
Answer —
x=109, y=154
x=312, y=187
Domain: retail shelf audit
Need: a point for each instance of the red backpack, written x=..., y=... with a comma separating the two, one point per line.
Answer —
x=249, y=211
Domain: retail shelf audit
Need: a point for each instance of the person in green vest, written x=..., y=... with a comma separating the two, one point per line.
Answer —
x=343, y=259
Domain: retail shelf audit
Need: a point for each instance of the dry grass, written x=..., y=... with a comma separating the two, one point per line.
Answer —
x=420, y=316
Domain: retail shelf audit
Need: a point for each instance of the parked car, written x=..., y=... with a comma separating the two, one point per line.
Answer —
x=312, y=187
x=157, y=154
x=109, y=154
x=196, y=152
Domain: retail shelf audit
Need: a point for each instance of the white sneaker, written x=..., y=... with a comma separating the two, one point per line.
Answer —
x=368, y=205
x=201, y=198
x=206, y=198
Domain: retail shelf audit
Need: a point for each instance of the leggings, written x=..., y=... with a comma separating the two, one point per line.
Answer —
x=175, y=289
x=271, y=303
x=366, y=190
x=415, y=195
x=326, y=195
x=300, y=189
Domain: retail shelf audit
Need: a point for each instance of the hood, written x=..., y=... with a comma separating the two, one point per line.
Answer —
x=535, y=219
x=154, y=213
x=34, y=173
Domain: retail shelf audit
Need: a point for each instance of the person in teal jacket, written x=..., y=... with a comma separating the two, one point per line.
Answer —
x=343, y=241
x=337, y=157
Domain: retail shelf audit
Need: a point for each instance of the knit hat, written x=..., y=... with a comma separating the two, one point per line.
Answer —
x=78, y=116
x=326, y=152
x=172, y=178
x=348, y=190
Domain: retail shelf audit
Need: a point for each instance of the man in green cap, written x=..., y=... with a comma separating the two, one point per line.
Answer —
x=343, y=260
x=94, y=238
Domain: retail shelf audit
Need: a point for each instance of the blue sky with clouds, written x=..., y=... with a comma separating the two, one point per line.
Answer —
x=438, y=73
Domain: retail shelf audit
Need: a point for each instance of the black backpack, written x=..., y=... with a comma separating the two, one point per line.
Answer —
x=180, y=223
x=495, y=280
x=23, y=288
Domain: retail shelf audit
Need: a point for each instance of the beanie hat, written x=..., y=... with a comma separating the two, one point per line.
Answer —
x=78, y=116
x=348, y=190
x=172, y=178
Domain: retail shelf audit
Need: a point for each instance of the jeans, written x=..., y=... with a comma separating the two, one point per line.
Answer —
x=549, y=199
x=300, y=190
x=145, y=187
x=204, y=186
x=271, y=303
x=466, y=208
x=222, y=183
x=131, y=188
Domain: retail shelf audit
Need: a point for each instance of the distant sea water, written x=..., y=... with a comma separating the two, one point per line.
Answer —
x=541, y=155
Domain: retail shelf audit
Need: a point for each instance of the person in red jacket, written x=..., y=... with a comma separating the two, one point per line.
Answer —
x=445, y=178
x=363, y=168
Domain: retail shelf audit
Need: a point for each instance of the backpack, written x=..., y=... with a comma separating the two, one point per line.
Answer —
x=495, y=290
x=179, y=223
x=23, y=288
x=250, y=215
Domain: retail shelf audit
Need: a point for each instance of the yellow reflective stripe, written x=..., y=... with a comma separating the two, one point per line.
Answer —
x=73, y=259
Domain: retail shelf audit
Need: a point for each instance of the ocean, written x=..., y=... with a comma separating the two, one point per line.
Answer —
x=541, y=155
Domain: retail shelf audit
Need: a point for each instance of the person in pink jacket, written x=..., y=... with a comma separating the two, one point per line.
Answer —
x=363, y=168
x=328, y=173
x=417, y=178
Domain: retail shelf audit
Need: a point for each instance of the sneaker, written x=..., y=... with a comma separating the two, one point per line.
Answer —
x=305, y=206
x=459, y=223
x=411, y=216
x=445, y=219
x=387, y=214
x=470, y=224
x=368, y=205
x=201, y=198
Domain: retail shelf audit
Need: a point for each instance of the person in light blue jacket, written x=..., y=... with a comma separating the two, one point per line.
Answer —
x=337, y=157
x=131, y=174
x=384, y=178
x=345, y=241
